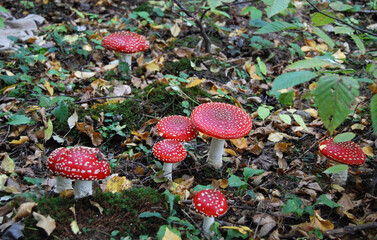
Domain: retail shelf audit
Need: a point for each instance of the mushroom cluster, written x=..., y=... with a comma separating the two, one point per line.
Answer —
x=342, y=153
x=82, y=164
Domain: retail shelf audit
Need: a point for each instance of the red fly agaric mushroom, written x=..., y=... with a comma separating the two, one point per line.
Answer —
x=210, y=203
x=61, y=182
x=342, y=153
x=85, y=165
x=220, y=121
x=169, y=151
x=125, y=43
x=177, y=127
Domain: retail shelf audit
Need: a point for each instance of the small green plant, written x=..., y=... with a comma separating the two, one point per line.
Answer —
x=241, y=184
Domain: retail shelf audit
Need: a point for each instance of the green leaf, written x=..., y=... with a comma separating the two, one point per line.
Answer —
x=319, y=19
x=313, y=63
x=285, y=118
x=286, y=99
x=150, y=214
x=48, y=131
x=336, y=169
x=373, y=112
x=19, y=119
x=235, y=181
x=343, y=30
x=324, y=200
x=249, y=172
x=324, y=37
x=339, y=6
x=290, y=79
x=359, y=43
x=292, y=206
x=344, y=137
x=61, y=111
x=213, y=3
x=199, y=187
x=334, y=96
x=300, y=121
x=262, y=66
x=263, y=112
x=276, y=27
x=3, y=9
x=276, y=7
x=36, y=181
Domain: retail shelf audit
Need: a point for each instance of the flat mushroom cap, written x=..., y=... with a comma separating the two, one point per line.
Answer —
x=169, y=151
x=210, y=203
x=53, y=159
x=221, y=120
x=125, y=41
x=344, y=152
x=177, y=127
x=83, y=163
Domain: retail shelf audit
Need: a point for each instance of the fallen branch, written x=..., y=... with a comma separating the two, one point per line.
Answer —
x=351, y=229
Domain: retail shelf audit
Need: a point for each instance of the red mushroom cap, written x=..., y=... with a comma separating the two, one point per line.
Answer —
x=221, y=120
x=126, y=42
x=169, y=151
x=53, y=159
x=83, y=163
x=177, y=127
x=210, y=203
x=344, y=152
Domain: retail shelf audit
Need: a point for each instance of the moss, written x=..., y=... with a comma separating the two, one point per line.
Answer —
x=179, y=66
x=120, y=212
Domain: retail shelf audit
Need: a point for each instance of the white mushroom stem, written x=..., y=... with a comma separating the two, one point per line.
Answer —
x=215, y=155
x=167, y=168
x=83, y=188
x=62, y=184
x=339, y=178
x=207, y=223
x=125, y=57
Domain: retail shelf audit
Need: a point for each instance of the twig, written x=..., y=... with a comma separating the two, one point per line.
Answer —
x=6, y=136
x=99, y=98
x=351, y=229
x=342, y=21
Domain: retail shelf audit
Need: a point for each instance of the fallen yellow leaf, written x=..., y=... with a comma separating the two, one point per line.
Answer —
x=117, y=184
x=20, y=141
x=194, y=82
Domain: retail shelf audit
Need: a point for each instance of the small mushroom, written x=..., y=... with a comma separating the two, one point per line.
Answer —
x=169, y=151
x=210, y=203
x=177, y=127
x=125, y=43
x=220, y=121
x=342, y=153
x=85, y=165
x=62, y=183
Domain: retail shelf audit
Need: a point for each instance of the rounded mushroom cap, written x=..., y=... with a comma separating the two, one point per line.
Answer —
x=210, y=203
x=83, y=163
x=169, y=151
x=221, y=120
x=344, y=152
x=125, y=41
x=53, y=159
x=177, y=127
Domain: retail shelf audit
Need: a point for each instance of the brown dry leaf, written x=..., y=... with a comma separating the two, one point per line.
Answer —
x=224, y=183
x=317, y=221
x=214, y=89
x=20, y=141
x=139, y=170
x=151, y=122
x=67, y=193
x=313, y=112
x=96, y=204
x=142, y=135
x=175, y=30
x=100, y=83
x=373, y=87
x=117, y=184
x=182, y=52
x=368, y=151
x=194, y=81
x=339, y=56
x=240, y=143
x=282, y=147
x=24, y=210
x=169, y=235
x=46, y=223
x=251, y=68
x=48, y=87
x=3, y=180
x=95, y=137
x=347, y=204
x=72, y=120
x=8, y=164
x=122, y=90
x=266, y=221
x=230, y=151
x=84, y=75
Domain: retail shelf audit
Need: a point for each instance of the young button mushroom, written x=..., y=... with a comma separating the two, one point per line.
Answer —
x=61, y=182
x=220, y=121
x=169, y=151
x=125, y=43
x=85, y=165
x=177, y=127
x=342, y=153
x=210, y=203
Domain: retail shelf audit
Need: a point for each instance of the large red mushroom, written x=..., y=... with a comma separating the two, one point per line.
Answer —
x=169, y=151
x=125, y=44
x=62, y=183
x=84, y=165
x=220, y=121
x=210, y=203
x=348, y=153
